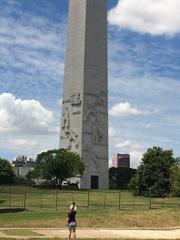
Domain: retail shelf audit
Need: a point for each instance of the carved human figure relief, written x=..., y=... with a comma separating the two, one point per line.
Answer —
x=91, y=155
x=91, y=111
x=66, y=120
x=100, y=100
x=72, y=138
x=97, y=134
x=75, y=99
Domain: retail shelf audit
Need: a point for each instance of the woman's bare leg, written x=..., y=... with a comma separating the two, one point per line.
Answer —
x=70, y=231
x=74, y=233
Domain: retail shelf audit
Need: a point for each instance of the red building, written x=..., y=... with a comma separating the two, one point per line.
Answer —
x=121, y=160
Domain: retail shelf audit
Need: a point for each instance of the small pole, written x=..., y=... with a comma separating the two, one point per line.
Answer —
x=105, y=200
x=133, y=202
x=150, y=200
x=41, y=200
x=88, y=199
x=24, y=200
x=56, y=200
x=119, y=199
x=9, y=199
x=163, y=202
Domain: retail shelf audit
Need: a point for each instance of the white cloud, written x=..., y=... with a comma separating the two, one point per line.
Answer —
x=24, y=116
x=156, y=17
x=22, y=142
x=125, y=109
x=114, y=132
x=136, y=157
x=123, y=144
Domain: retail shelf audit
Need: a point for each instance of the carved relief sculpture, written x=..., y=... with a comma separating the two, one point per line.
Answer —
x=72, y=138
x=91, y=111
x=75, y=99
x=97, y=135
x=100, y=100
x=66, y=120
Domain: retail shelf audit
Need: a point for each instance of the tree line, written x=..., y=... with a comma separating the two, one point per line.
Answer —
x=158, y=174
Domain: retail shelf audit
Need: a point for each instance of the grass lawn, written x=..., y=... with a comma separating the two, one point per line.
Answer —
x=105, y=218
x=35, y=199
x=96, y=209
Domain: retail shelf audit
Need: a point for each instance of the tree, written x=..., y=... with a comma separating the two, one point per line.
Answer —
x=20, y=180
x=58, y=165
x=175, y=179
x=7, y=174
x=154, y=173
x=119, y=177
x=30, y=176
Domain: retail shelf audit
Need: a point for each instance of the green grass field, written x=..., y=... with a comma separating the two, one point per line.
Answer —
x=29, y=207
x=38, y=199
x=105, y=218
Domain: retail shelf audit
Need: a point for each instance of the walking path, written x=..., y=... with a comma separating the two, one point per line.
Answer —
x=98, y=233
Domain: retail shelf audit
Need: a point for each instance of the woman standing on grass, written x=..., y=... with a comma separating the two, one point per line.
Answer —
x=71, y=221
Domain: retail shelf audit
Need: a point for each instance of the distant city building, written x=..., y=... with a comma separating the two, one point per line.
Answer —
x=121, y=160
x=22, y=165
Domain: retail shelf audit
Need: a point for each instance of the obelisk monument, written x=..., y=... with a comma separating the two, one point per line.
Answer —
x=84, y=121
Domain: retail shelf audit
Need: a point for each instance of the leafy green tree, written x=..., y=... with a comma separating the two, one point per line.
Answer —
x=58, y=165
x=7, y=174
x=119, y=177
x=154, y=173
x=30, y=176
x=175, y=179
x=112, y=178
x=133, y=183
x=20, y=180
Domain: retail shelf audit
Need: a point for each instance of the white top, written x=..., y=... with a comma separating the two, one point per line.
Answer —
x=71, y=207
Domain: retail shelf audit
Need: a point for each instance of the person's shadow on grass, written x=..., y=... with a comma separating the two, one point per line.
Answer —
x=11, y=210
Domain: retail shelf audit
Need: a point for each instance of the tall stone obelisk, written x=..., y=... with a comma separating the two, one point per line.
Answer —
x=84, y=122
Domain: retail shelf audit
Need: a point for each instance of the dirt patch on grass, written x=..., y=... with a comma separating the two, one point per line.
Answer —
x=20, y=232
x=101, y=234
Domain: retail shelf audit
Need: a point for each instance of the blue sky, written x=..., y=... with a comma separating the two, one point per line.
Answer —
x=144, y=75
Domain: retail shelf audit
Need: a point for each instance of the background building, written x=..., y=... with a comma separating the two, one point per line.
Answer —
x=22, y=165
x=121, y=160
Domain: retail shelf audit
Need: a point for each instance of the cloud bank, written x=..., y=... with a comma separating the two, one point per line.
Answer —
x=155, y=17
x=125, y=109
x=24, y=116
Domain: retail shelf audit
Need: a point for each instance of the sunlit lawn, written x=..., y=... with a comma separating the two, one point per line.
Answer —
x=42, y=199
x=105, y=218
